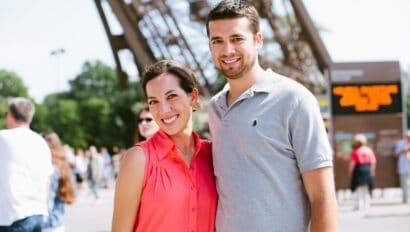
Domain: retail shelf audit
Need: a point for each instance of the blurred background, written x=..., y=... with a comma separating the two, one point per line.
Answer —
x=81, y=61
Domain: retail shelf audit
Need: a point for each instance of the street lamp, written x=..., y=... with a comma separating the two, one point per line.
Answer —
x=57, y=53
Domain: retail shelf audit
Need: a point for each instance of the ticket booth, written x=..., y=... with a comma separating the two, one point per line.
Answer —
x=367, y=98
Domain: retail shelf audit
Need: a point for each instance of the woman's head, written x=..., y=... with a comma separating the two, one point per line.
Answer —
x=146, y=124
x=65, y=190
x=359, y=140
x=172, y=94
x=54, y=142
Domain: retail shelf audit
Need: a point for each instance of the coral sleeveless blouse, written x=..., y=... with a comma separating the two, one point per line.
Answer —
x=175, y=196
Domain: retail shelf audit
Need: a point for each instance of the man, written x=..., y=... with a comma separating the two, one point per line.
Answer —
x=25, y=168
x=272, y=158
x=402, y=151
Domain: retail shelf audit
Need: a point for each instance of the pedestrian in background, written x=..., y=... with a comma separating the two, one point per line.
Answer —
x=362, y=169
x=61, y=190
x=25, y=170
x=95, y=169
x=146, y=127
x=402, y=151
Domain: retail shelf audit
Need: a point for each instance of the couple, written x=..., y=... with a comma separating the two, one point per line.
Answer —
x=270, y=153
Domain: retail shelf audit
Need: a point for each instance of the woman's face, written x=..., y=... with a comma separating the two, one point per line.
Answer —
x=169, y=104
x=146, y=125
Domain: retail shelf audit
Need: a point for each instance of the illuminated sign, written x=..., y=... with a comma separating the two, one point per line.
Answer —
x=366, y=98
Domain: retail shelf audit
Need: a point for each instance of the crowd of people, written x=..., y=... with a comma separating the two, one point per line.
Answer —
x=39, y=174
x=267, y=166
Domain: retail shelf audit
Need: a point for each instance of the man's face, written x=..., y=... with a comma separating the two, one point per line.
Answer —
x=234, y=47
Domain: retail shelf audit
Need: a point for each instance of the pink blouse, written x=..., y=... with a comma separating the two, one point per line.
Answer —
x=362, y=155
x=176, y=197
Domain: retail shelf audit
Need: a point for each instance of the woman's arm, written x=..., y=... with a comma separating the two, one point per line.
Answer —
x=128, y=190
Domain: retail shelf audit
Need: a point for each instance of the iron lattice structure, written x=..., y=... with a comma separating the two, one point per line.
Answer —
x=175, y=29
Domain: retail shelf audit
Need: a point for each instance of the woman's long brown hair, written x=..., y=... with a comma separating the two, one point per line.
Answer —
x=65, y=186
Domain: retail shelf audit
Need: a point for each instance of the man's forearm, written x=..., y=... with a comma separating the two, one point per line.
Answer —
x=324, y=216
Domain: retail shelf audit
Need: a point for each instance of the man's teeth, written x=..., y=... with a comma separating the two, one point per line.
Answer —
x=169, y=120
x=231, y=61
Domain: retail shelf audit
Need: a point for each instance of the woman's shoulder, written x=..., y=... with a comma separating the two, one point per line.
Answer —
x=134, y=155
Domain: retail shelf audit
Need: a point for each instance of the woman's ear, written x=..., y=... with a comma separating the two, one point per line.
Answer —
x=195, y=99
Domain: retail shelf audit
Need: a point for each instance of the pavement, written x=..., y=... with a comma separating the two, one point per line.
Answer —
x=386, y=213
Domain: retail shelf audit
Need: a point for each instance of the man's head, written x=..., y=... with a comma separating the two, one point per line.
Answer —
x=230, y=9
x=235, y=39
x=20, y=112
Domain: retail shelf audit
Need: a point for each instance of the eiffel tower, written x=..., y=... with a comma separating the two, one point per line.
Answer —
x=175, y=29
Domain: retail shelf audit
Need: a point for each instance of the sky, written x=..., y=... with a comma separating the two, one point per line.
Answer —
x=356, y=30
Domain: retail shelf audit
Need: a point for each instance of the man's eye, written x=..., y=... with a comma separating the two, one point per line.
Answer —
x=237, y=39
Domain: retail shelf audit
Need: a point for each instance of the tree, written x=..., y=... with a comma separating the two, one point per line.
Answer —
x=63, y=117
x=95, y=80
x=11, y=85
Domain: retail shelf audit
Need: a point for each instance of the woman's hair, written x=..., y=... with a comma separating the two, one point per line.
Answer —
x=138, y=137
x=359, y=140
x=185, y=75
x=231, y=9
x=65, y=190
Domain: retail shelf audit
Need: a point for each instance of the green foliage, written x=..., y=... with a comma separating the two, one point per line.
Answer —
x=94, y=112
x=95, y=80
x=3, y=112
x=11, y=85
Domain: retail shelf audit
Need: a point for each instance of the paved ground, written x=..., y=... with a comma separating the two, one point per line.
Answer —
x=385, y=214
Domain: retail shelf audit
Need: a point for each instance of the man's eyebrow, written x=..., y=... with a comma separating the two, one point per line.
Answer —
x=215, y=38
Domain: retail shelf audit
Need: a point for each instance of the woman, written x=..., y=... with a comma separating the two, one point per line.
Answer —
x=166, y=183
x=61, y=188
x=362, y=168
x=146, y=125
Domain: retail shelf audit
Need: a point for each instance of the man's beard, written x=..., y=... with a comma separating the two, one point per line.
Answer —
x=238, y=72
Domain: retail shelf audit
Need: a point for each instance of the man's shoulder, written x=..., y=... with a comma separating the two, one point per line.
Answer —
x=285, y=84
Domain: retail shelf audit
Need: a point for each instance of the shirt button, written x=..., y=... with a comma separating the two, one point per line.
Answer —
x=193, y=209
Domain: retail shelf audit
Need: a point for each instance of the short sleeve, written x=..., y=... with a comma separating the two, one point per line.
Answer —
x=308, y=135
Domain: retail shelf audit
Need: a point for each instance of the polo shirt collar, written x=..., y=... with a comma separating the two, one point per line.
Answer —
x=166, y=145
x=262, y=85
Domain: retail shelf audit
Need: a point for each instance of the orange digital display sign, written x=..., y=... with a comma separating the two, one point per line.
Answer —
x=366, y=98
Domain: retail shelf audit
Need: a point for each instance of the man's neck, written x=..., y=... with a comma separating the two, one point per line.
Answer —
x=238, y=86
x=19, y=125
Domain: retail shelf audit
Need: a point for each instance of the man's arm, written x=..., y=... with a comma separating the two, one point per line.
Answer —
x=320, y=188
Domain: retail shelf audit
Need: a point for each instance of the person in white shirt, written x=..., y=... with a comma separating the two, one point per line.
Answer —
x=25, y=170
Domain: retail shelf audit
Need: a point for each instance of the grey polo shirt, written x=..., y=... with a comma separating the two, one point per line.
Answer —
x=261, y=145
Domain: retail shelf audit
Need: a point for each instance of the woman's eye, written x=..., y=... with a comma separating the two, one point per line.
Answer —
x=172, y=96
x=152, y=102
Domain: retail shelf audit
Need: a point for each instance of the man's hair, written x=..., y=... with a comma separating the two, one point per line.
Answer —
x=22, y=109
x=230, y=9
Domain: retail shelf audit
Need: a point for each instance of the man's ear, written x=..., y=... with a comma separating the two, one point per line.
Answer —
x=259, y=40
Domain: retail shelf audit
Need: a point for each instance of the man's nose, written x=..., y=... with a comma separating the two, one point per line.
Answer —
x=229, y=48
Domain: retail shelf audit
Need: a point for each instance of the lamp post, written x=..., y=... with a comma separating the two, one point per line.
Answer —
x=57, y=53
